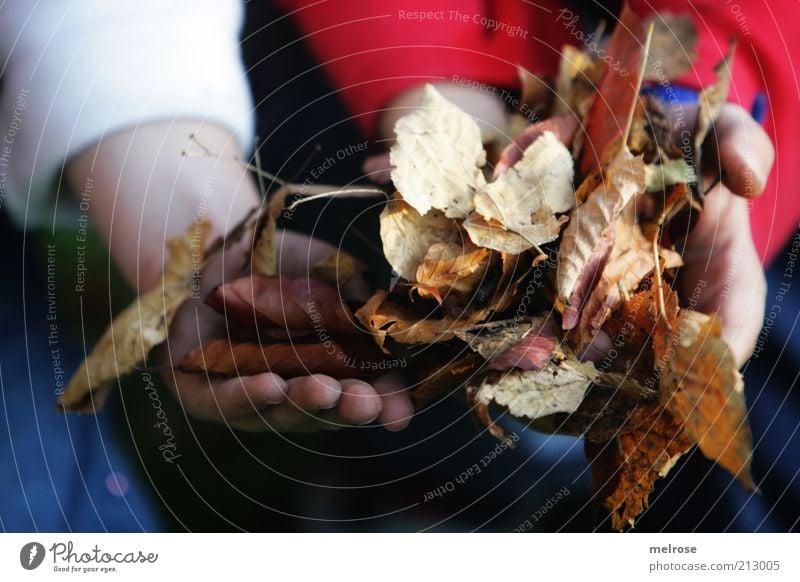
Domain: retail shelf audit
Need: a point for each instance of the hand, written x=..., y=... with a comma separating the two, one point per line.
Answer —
x=267, y=401
x=722, y=272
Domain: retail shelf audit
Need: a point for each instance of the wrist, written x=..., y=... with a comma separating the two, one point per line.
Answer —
x=147, y=191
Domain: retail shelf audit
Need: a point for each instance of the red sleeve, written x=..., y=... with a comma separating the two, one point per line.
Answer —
x=768, y=35
x=372, y=50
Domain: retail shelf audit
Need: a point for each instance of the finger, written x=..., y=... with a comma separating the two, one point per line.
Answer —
x=397, y=408
x=378, y=168
x=359, y=403
x=313, y=393
x=211, y=399
x=743, y=150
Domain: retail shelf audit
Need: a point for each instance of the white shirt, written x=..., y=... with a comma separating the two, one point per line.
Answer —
x=75, y=70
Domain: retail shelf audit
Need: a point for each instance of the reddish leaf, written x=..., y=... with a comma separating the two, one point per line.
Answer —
x=228, y=358
x=291, y=305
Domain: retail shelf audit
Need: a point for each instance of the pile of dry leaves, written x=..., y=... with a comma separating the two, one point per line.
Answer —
x=506, y=273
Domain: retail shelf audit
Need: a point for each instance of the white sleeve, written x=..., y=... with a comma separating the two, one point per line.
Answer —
x=75, y=70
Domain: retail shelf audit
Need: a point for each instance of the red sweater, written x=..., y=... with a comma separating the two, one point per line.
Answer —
x=374, y=49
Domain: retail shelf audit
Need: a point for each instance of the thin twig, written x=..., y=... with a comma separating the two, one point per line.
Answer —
x=661, y=303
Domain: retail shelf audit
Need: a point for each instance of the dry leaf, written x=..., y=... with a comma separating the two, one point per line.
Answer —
x=563, y=127
x=294, y=306
x=493, y=235
x=638, y=460
x=230, y=359
x=711, y=101
x=659, y=177
x=588, y=238
x=452, y=267
x=407, y=235
x=526, y=196
x=438, y=157
x=701, y=386
x=527, y=343
x=578, y=76
x=558, y=387
x=385, y=319
x=611, y=112
x=631, y=260
x=139, y=328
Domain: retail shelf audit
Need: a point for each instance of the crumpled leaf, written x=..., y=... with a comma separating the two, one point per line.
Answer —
x=438, y=157
x=493, y=235
x=563, y=127
x=527, y=195
x=385, y=319
x=137, y=329
x=558, y=387
x=588, y=238
x=631, y=260
x=452, y=267
x=625, y=471
x=227, y=358
x=700, y=386
x=611, y=112
x=407, y=235
x=525, y=343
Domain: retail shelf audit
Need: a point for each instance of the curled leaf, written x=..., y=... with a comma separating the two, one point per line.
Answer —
x=588, y=238
x=137, y=329
x=407, y=235
x=700, y=386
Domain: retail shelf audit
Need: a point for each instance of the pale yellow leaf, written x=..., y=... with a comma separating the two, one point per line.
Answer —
x=438, y=157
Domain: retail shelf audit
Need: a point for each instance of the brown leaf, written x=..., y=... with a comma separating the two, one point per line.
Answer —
x=611, y=112
x=525, y=343
x=701, y=386
x=588, y=239
x=579, y=74
x=642, y=456
x=451, y=267
x=493, y=235
x=407, y=235
x=139, y=328
x=525, y=197
x=387, y=319
x=631, y=260
x=711, y=101
x=446, y=378
x=563, y=127
x=225, y=358
x=558, y=387
x=279, y=303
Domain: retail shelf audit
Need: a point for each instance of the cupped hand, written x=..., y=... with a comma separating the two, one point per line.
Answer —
x=722, y=272
x=268, y=402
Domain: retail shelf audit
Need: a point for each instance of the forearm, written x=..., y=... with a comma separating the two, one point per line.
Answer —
x=144, y=191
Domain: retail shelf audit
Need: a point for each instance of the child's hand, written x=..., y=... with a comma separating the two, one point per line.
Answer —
x=267, y=401
x=722, y=272
x=145, y=192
